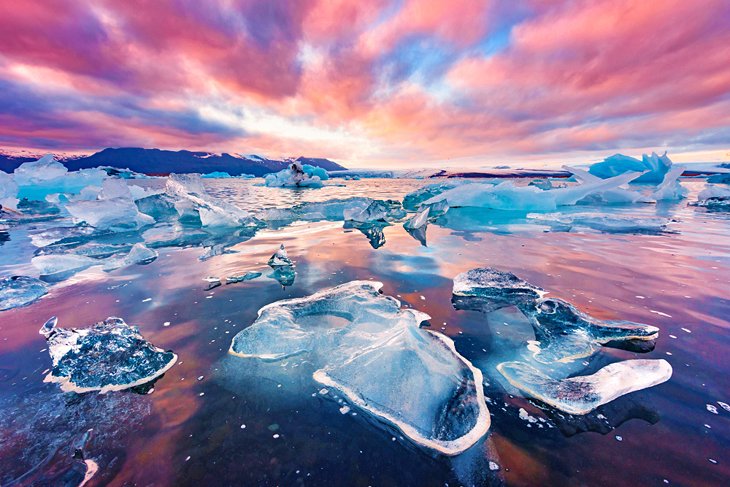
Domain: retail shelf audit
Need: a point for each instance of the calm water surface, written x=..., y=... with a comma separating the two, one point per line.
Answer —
x=215, y=419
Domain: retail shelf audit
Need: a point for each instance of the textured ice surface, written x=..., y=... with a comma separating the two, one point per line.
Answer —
x=243, y=277
x=62, y=266
x=670, y=188
x=8, y=191
x=113, y=209
x=375, y=353
x=655, y=166
x=296, y=176
x=419, y=220
x=139, y=254
x=280, y=258
x=412, y=201
x=109, y=356
x=508, y=196
x=562, y=332
x=191, y=201
x=17, y=291
x=611, y=196
x=376, y=211
x=583, y=394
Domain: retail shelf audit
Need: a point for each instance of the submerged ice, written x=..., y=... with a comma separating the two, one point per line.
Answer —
x=108, y=356
x=375, y=353
x=563, y=334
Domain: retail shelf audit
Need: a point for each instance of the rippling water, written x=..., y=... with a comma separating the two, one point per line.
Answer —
x=236, y=426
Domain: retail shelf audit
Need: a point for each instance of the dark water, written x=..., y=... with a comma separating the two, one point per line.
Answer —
x=190, y=432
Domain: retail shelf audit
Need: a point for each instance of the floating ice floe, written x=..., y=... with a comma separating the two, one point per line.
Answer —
x=243, y=277
x=583, y=394
x=412, y=201
x=139, y=254
x=376, y=211
x=714, y=198
x=109, y=356
x=191, y=200
x=295, y=176
x=56, y=267
x=375, y=353
x=606, y=223
x=17, y=291
x=113, y=209
x=280, y=258
x=331, y=210
x=653, y=166
x=216, y=175
x=562, y=332
x=508, y=196
x=38, y=179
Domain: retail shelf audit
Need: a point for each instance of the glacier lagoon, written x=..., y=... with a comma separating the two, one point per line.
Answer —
x=217, y=418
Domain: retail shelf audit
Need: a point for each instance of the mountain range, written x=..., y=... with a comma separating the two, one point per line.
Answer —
x=163, y=162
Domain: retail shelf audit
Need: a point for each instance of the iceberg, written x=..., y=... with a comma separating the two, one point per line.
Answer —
x=216, y=175
x=109, y=356
x=714, y=198
x=17, y=291
x=280, y=258
x=508, y=196
x=295, y=176
x=612, y=196
x=653, y=166
x=312, y=171
x=113, y=209
x=377, y=355
x=581, y=395
x=562, y=332
x=38, y=179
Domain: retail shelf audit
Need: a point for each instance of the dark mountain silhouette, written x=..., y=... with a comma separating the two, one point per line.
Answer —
x=161, y=162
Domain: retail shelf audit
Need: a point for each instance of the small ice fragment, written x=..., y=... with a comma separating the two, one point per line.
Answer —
x=212, y=279
x=660, y=313
x=275, y=436
x=17, y=291
x=201, y=378
x=712, y=460
x=493, y=466
x=686, y=330
x=167, y=323
x=712, y=408
x=724, y=405
x=619, y=438
x=109, y=356
x=243, y=426
x=344, y=410
x=188, y=458
x=146, y=300
x=280, y=258
x=323, y=391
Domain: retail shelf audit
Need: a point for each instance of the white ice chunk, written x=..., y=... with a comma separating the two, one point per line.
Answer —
x=191, y=199
x=583, y=394
x=38, y=179
x=113, y=209
x=670, y=188
x=8, y=191
x=717, y=197
x=376, y=354
x=419, y=220
x=294, y=177
x=612, y=196
x=139, y=254
x=280, y=258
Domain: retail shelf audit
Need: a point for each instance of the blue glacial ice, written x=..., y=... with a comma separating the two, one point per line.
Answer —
x=297, y=176
x=280, y=258
x=17, y=291
x=38, y=179
x=508, y=196
x=582, y=394
x=366, y=346
x=139, y=254
x=113, y=208
x=108, y=356
x=412, y=201
x=653, y=167
x=376, y=211
x=8, y=191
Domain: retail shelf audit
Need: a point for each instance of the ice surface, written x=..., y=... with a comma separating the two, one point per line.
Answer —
x=606, y=223
x=562, y=332
x=412, y=201
x=62, y=266
x=670, y=188
x=611, y=196
x=508, y=196
x=113, y=209
x=376, y=211
x=280, y=258
x=191, y=200
x=714, y=197
x=244, y=277
x=139, y=254
x=655, y=166
x=583, y=394
x=109, y=356
x=17, y=291
x=38, y=179
x=376, y=354
x=295, y=176
x=8, y=191
x=419, y=220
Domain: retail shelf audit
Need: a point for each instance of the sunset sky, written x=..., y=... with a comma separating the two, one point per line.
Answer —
x=370, y=83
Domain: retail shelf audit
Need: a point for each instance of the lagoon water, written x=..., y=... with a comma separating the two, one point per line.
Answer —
x=217, y=419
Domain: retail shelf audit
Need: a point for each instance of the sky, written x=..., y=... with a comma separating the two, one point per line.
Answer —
x=370, y=83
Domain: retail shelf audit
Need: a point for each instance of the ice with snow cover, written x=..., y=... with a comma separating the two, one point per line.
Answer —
x=714, y=198
x=563, y=334
x=375, y=353
x=108, y=356
x=297, y=176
